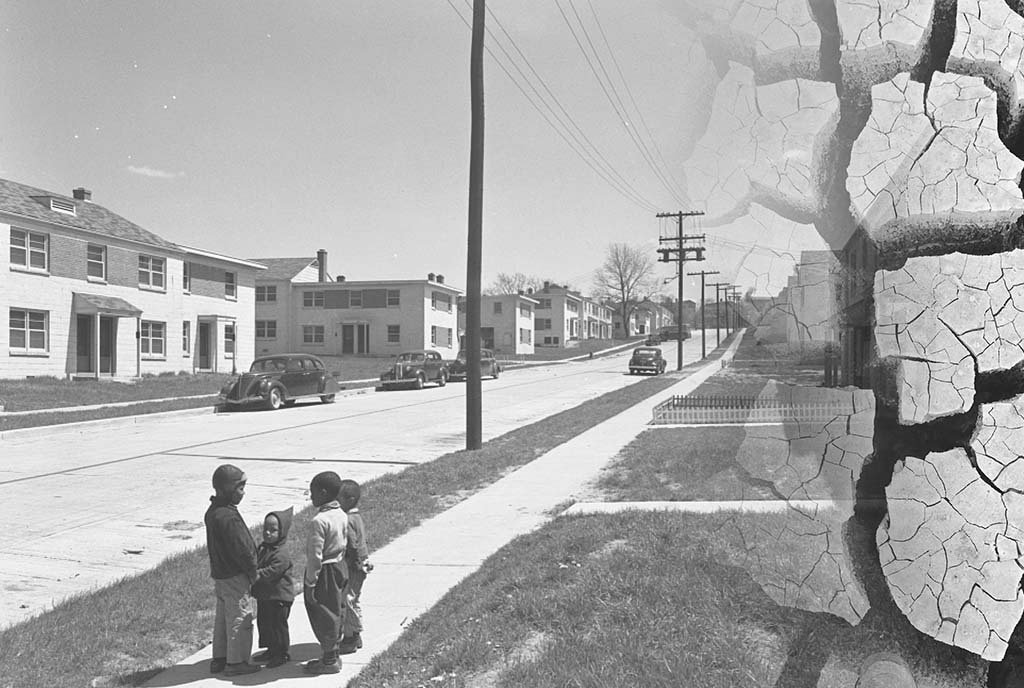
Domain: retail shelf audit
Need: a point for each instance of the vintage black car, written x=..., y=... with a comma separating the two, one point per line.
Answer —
x=415, y=368
x=489, y=365
x=646, y=359
x=280, y=380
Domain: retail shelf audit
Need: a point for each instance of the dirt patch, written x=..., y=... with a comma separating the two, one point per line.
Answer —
x=182, y=525
x=609, y=549
x=527, y=651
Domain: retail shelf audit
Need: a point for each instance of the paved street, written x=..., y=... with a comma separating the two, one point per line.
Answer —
x=96, y=502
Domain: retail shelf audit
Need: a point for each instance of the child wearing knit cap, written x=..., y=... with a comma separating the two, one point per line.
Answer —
x=274, y=589
x=233, y=569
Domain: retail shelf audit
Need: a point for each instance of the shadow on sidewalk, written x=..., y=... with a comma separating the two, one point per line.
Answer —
x=188, y=674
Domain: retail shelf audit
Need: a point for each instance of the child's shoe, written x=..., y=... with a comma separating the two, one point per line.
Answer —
x=241, y=669
x=217, y=664
x=274, y=662
x=317, y=666
x=350, y=644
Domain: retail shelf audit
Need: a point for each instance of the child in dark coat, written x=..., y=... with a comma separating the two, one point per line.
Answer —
x=274, y=589
x=233, y=569
x=357, y=560
x=326, y=573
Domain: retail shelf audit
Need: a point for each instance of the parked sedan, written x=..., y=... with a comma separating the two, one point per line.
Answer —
x=280, y=380
x=489, y=365
x=415, y=368
x=646, y=359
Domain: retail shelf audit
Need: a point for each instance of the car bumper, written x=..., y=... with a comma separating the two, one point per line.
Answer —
x=229, y=401
x=645, y=368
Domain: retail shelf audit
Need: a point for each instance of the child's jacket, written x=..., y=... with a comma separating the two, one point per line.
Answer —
x=356, y=552
x=328, y=535
x=275, y=579
x=229, y=542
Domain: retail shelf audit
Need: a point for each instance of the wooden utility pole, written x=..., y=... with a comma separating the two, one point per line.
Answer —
x=718, y=315
x=734, y=298
x=703, y=334
x=474, y=424
x=680, y=254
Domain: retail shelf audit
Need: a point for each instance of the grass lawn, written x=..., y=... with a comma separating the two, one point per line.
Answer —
x=50, y=392
x=125, y=633
x=585, y=346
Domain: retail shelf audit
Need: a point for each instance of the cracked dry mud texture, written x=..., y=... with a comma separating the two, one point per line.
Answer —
x=998, y=446
x=922, y=157
x=989, y=42
x=763, y=144
x=898, y=26
x=801, y=559
x=945, y=319
x=950, y=551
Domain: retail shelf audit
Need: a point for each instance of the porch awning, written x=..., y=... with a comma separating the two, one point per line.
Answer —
x=89, y=304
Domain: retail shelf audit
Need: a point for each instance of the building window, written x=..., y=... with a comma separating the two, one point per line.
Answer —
x=312, y=334
x=545, y=304
x=572, y=307
x=266, y=294
x=497, y=307
x=230, y=287
x=355, y=298
x=151, y=272
x=448, y=337
x=441, y=336
x=186, y=277
x=96, y=261
x=433, y=335
x=525, y=311
x=151, y=339
x=186, y=337
x=394, y=334
x=543, y=323
x=394, y=298
x=525, y=335
x=30, y=249
x=29, y=331
x=266, y=329
x=312, y=299
x=441, y=302
x=229, y=340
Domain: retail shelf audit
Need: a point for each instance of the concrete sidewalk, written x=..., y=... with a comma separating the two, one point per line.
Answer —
x=414, y=571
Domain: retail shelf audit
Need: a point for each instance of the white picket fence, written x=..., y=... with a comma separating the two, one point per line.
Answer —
x=697, y=410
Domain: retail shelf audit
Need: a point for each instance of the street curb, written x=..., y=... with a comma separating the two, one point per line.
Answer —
x=135, y=419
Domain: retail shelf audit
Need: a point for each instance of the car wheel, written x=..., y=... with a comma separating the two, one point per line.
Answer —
x=418, y=384
x=275, y=400
x=443, y=379
x=327, y=399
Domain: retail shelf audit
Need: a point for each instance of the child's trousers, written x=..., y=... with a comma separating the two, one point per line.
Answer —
x=272, y=621
x=325, y=605
x=353, y=622
x=232, y=624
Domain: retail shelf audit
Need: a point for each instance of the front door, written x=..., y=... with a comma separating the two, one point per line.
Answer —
x=355, y=338
x=204, y=346
x=348, y=339
x=83, y=344
x=108, y=328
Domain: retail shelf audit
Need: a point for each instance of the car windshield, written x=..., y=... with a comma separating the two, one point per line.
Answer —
x=411, y=358
x=267, y=365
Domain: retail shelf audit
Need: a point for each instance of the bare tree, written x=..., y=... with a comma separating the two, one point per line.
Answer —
x=626, y=276
x=513, y=283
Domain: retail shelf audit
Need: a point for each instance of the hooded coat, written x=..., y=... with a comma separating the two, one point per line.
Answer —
x=274, y=577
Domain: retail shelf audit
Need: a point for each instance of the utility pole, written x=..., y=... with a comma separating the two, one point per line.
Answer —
x=680, y=254
x=703, y=334
x=718, y=316
x=474, y=424
x=734, y=298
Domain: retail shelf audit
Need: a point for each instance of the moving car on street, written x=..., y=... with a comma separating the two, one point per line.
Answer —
x=415, y=369
x=646, y=359
x=280, y=380
x=489, y=365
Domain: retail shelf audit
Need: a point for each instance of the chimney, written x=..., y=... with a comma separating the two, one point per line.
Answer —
x=530, y=291
x=82, y=194
x=546, y=285
x=341, y=278
x=321, y=262
x=440, y=279
x=430, y=277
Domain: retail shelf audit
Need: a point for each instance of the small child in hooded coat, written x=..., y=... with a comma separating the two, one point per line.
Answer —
x=274, y=589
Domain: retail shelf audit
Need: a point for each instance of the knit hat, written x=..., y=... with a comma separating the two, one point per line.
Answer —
x=227, y=477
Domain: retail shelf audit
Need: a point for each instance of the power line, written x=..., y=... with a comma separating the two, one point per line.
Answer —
x=590, y=156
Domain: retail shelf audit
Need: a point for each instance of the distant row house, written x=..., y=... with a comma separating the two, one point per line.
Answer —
x=565, y=315
x=88, y=294
x=299, y=307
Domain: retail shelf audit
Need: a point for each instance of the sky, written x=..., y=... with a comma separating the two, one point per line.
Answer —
x=269, y=129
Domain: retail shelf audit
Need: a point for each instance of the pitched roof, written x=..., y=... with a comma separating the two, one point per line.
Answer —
x=29, y=201
x=282, y=268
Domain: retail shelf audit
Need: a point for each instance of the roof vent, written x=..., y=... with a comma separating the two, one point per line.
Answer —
x=430, y=277
x=62, y=206
x=82, y=194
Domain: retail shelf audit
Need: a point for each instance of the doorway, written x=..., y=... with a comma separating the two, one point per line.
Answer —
x=85, y=344
x=205, y=347
x=355, y=338
x=108, y=329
